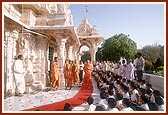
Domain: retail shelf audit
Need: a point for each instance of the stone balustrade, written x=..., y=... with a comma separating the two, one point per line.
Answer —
x=156, y=81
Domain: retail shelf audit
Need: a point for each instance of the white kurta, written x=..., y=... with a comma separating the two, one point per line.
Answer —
x=92, y=107
x=129, y=71
x=104, y=103
x=123, y=71
x=127, y=109
x=19, y=74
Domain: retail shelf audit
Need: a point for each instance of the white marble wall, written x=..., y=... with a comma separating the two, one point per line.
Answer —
x=10, y=38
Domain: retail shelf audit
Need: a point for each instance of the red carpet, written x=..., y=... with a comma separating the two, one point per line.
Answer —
x=77, y=100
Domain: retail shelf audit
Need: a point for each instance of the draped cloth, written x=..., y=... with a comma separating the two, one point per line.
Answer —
x=75, y=70
x=55, y=75
x=88, y=68
x=69, y=74
x=19, y=74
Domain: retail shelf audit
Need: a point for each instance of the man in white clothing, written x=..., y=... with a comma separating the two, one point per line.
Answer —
x=140, y=66
x=19, y=74
x=129, y=72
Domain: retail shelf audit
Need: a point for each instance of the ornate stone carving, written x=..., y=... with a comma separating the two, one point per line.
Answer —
x=52, y=8
x=85, y=29
x=60, y=8
x=21, y=44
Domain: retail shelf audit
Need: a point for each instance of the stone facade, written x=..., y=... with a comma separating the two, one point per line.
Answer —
x=41, y=32
x=89, y=36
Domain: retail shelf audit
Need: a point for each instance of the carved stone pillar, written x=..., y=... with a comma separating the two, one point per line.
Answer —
x=61, y=55
x=93, y=53
x=9, y=51
x=70, y=49
x=40, y=65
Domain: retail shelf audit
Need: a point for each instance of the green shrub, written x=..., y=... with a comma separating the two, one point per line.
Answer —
x=160, y=70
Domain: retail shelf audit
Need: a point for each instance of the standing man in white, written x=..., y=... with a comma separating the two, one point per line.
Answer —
x=19, y=74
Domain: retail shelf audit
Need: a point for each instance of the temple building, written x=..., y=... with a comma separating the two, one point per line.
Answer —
x=41, y=32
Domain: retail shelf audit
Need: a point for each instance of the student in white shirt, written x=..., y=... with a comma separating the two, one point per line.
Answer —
x=143, y=102
x=119, y=98
x=126, y=105
x=134, y=92
x=112, y=104
x=90, y=101
x=159, y=101
x=103, y=100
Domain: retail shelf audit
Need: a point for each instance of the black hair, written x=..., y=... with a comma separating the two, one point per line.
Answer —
x=139, y=54
x=144, y=98
x=111, y=92
x=143, y=91
x=112, y=102
x=126, y=101
x=90, y=100
x=102, y=95
x=67, y=107
x=148, y=91
x=134, y=86
x=152, y=106
x=159, y=100
x=156, y=93
x=119, y=96
x=111, y=86
x=99, y=108
x=149, y=85
x=20, y=56
x=143, y=81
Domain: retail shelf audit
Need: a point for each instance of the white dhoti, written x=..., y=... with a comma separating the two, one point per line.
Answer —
x=19, y=74
x=20, y=82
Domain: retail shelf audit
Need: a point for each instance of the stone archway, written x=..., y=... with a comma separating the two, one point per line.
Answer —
x=79, y=52
x=89, y=36
x=92, y=43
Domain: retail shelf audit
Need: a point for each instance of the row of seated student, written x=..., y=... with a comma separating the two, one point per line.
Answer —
x=119, y=94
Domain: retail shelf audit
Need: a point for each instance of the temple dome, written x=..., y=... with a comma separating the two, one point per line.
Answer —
x=86, y=29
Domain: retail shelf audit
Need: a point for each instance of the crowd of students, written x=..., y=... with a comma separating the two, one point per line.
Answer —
x=119, y=94
x=122, y=87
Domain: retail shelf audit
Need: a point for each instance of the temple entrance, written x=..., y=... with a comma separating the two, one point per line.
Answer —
x=84, y=50
x=50, y=59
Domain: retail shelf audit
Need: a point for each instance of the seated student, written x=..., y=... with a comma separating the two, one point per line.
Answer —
x=149, y=86
x=136, y=107
x=125, y=91
x=142, y=84
x=126, y=105
x=110, y=93
x=152, y=106
x=124, y=82
x=67, y=107
x=143, y=102
x=112, y=104
x=103, y=100
x=90, y=101
x=99, y=108
x=148, y=93
x=119, y=98
x=133, y=92
x=159, y=101
x=141, y=91
x=156, y=93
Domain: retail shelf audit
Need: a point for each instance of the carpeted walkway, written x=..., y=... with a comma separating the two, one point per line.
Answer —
x=76, y=100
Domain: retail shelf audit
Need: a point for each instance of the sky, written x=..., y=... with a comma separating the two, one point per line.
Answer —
x=144, y=23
